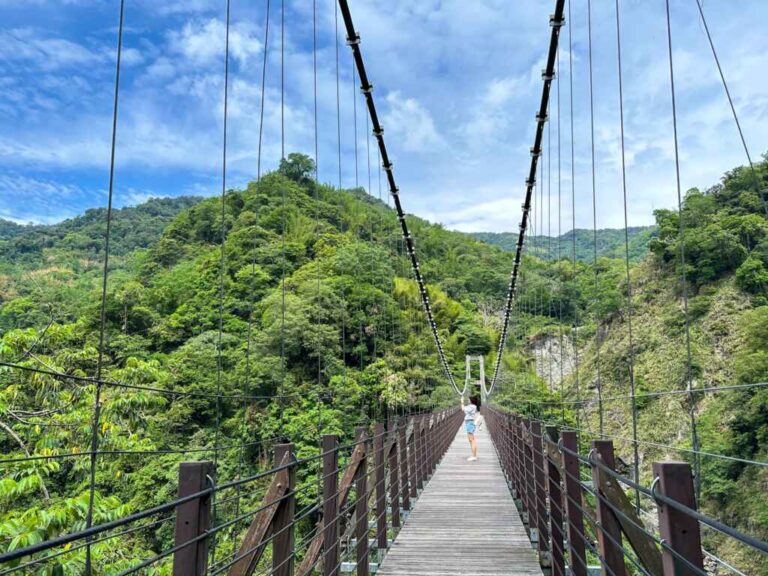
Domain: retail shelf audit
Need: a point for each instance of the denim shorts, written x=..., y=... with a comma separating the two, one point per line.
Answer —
x=469, y=425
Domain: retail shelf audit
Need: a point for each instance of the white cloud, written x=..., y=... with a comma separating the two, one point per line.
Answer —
x=203, y=42
x=45, y=53
x=407, y=120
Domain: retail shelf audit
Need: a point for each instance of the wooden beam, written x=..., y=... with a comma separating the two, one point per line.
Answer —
x=253, y=547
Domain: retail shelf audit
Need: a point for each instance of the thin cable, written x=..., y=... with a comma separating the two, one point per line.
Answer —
x=104, y=279
x=599, y=383
x=252, y=297
x=733, y=107
x=556, y=22
x=683, y=275
x=223, y=262
x=626, y=260
x=353, y=39
x=574, y=336
x=283, y=216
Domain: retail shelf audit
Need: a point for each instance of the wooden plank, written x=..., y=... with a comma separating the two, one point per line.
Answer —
x=316, y=546
x=680, y=530
x=609, y=531
x=252, y=547
x=465, y=521
x=643, y=545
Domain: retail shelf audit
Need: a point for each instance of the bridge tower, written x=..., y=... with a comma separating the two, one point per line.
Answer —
x=480, y=382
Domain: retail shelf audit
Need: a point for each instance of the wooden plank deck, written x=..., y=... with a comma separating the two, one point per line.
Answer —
x=465, y=522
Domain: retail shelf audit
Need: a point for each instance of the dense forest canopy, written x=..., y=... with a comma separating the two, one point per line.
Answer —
x=308, y=308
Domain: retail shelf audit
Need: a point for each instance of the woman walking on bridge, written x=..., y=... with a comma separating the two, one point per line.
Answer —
x=470, y=413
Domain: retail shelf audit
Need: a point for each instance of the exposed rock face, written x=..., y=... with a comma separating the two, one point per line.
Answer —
x=550, y=353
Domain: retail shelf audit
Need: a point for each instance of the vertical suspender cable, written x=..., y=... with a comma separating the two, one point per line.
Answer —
x=755, y=177
x=222, y=266
x=575, y=320
x=631, y=366
x=559, y=242
x=353, y=40
x=599, y=383
x=683, y=274
x=338, y=134
x=317, y=231
x=556, y=22
x=283, y=209
x=103, y=312
x=549, y=259
x=251, y=296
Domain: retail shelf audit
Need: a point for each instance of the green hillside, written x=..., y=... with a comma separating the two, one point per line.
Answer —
x=610, y=243
x=343, y=339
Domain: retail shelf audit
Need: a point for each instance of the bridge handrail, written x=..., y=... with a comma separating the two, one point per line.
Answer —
x=400, y=462
x=544, y=471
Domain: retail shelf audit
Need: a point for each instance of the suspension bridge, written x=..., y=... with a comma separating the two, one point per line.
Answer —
x=399, y=498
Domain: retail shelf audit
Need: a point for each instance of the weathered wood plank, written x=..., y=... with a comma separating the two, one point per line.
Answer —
x=465, y=522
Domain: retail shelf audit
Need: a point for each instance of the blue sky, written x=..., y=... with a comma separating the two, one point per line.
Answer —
x=457, y=84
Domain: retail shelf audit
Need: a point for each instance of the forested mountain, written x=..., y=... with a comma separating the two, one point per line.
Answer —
x=610, y=243
x=306, y=318
x=132, y=227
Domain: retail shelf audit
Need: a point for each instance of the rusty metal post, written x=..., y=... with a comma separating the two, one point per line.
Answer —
x=540, y=493
x=412, y=458
x=193, y=518
x=361, y=513
x=679, y=530
x=609, y=533
x=381, y=494
x=402, y=449
x=555, y=506
x=283, y=526
x=330, y=505
x=573, y=503
x=394, y=475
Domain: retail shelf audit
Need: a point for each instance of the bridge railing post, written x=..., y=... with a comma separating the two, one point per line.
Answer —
x=540, y=493
x=402, y=447
x=573, y=503
x=394, y=474
x=555, y=501
x=420, y=454
x=609, y=528
x=361, y=512
x=413, y=471
x=530, y=487
x=283, y=524
x=193, y=519
x=330, y=505
x=681, y=556
x=516, y=466
x=380, y=491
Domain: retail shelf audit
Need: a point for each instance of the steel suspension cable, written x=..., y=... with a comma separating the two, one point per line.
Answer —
x=556, y=22
x=104, y=279
x=575, y=323
x=599, y=383
x=353, y=39
x=733, y=107
x=222, y=266
x=251, y=296
x=683, y=273
x=631, y=350
x=559, y=239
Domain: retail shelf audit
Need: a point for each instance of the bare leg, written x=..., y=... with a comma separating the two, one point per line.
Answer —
x=473, y=443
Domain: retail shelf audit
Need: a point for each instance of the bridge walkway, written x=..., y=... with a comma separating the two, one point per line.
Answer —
x=465, y=522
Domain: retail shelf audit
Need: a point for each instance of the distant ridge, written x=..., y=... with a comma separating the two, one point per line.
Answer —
x=610, y=243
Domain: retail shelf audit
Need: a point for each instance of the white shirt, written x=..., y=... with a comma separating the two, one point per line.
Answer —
x=469, y=412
